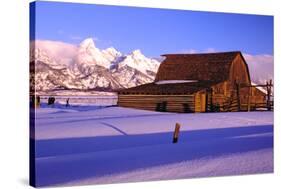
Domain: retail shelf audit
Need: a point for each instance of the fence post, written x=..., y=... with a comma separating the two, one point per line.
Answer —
x=268, y=88
x=270, y=91
x=176, y=133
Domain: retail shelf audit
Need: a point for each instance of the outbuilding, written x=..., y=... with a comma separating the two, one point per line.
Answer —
x=196, y=83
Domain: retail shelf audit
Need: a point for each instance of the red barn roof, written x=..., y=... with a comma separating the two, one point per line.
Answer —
x=205, y=66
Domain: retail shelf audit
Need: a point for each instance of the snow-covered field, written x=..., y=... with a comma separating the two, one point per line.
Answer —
x=94, y=145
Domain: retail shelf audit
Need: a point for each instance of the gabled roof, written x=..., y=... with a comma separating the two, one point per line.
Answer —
x=204, y=66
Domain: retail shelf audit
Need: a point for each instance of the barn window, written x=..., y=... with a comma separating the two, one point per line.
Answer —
x=161, y=106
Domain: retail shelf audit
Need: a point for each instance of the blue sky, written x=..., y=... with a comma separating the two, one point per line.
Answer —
x=154, y=31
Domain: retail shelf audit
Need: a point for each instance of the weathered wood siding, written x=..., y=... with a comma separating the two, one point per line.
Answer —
x=200, y=101
x=254, y=97
x=220, y=92
x=197, y=102
x=174, y=103
x=239, y=72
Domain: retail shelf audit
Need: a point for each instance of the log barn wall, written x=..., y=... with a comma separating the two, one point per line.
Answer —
x=174, y=103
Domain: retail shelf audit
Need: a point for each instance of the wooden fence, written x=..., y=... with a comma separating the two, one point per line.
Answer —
x=86, y=100
x=241, y=101
x=250, y=105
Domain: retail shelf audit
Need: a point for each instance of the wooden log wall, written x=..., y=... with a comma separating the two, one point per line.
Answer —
x=174, y=103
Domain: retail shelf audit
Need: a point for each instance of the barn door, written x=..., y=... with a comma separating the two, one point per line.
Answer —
x=203, y=102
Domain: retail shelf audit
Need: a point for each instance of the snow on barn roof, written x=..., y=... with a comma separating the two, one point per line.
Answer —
x=260, y=88
x=174, y=81
x=169, y=88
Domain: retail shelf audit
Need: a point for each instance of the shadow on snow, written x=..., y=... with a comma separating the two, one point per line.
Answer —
x=59, y=161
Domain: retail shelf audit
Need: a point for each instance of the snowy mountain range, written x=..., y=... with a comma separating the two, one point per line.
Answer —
x=85, y=67
x=92, y=69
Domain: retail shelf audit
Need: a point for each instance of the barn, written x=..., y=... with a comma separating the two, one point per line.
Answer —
x=197, y=83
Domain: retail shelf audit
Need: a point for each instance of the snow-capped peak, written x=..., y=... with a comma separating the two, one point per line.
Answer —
x=86, y=43
x=137, y=53
x=89, y=54
x=112, y=52
x=139, y=62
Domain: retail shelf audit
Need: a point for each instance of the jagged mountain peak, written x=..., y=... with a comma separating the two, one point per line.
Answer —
x=88, y=42
x=111, y=51
x=137, y=53
x=89, y=54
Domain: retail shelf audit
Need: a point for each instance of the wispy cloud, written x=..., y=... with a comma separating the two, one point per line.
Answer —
x=261, y=67
x=63, y=53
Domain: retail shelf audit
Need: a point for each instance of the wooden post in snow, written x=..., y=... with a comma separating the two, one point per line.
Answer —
x=37, y=102
x=176, y=133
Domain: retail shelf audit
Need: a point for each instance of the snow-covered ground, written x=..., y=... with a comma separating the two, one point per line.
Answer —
x=94, y=145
